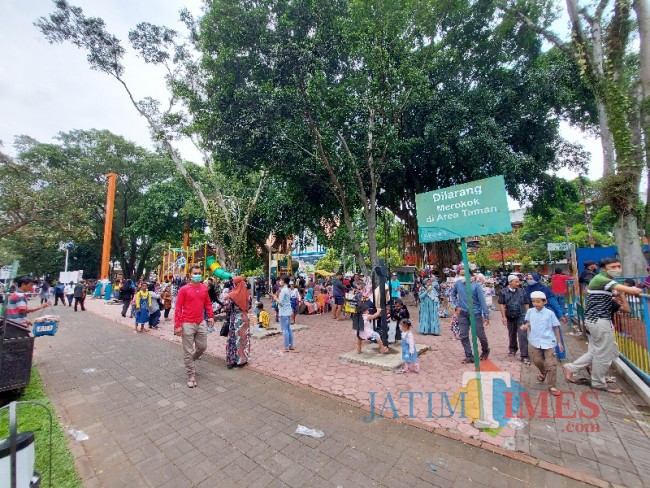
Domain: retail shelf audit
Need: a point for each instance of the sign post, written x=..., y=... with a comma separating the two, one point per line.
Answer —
x=472, y=209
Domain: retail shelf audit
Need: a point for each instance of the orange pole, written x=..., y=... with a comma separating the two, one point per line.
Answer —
x=108, y=225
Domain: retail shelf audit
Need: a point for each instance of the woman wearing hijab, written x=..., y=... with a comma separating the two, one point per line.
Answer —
x=429, y=319
x=535, y=284
x=309, y=301
x=238, y=345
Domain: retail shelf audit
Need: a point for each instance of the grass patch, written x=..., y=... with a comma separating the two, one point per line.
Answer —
x=34, y=418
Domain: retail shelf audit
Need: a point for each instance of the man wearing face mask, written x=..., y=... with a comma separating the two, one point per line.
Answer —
x=191, y=303
x=598, y=322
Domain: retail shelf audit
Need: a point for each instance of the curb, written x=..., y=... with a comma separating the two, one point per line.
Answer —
x=632, y=379
x=454, y=436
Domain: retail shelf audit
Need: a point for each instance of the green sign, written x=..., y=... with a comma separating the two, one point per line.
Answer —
x=473, y=209
x=559, y=246
x=14, y=269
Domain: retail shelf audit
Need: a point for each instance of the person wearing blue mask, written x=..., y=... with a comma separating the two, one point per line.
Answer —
x=535, y=284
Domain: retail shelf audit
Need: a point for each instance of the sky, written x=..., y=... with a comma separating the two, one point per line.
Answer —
x=46, y=89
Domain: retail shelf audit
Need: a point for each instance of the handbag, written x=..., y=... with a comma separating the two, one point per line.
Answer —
x=224, y=329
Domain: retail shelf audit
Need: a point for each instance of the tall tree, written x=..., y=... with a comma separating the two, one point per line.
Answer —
x=34, y=194
x=152, y=201
x=228, y=212
x=619, y=78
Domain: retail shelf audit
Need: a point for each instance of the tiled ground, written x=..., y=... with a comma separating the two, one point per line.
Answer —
x=623, y=427
x=238, y=427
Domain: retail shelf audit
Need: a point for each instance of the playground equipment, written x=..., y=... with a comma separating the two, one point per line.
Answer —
x=176, y=261
x=108, y=226
x=216, y=269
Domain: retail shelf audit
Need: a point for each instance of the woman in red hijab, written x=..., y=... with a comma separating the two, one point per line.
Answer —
x=238, y=346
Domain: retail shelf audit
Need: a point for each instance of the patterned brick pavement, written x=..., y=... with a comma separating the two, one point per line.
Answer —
x=317, y=365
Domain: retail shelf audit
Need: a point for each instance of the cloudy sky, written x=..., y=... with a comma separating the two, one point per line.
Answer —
x=46, y=89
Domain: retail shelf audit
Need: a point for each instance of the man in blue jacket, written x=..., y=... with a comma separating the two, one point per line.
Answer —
x=535, y=284
x=481, y=316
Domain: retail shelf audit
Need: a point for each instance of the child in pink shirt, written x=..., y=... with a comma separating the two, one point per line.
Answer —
x=367, y=332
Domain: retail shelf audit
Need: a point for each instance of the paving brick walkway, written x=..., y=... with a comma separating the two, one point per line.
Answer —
x=127, y=392
x=618, y=453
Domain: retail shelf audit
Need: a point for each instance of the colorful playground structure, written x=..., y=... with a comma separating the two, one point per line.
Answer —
x=216, y=269
x=177, y=261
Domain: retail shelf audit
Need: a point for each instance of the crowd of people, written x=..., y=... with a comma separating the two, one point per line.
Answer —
x=531, y=311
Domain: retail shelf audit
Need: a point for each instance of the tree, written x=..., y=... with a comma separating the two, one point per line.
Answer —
x=319, y=85
x=379, y=101
x=228, y=210
x=540, y=228
x=619, y=78
x=33, y=194
x=152, y=202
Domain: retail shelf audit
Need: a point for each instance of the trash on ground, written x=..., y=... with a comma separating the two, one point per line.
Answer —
x=517, y=424
x=441, y=462
x=79, y=435
x=310, y=432
x=89, y=370
x=433, y=468
x=276, y=352
x=548, y=427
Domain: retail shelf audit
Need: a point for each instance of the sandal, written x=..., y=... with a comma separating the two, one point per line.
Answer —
x=541, y=377
x=613, y=391
x=191, y=381
x=568, y=374
x=384, y=350
x=526, y=361
x=554, y=391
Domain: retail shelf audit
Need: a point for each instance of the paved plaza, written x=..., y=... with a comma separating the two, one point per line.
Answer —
x=140, y=415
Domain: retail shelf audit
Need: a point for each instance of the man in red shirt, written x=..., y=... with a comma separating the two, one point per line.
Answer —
x=192, y=302
x=558, y=286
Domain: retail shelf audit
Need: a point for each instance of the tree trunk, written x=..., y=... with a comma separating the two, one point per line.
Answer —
x=446, y=253
x=607, y=142
x=372, y=236
x=626, y=231
x=642, y=10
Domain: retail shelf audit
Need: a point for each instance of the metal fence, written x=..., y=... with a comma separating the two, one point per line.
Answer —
x=632, y=329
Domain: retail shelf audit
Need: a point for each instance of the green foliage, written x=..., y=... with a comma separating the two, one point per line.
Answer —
x=151, y=204
x=330, y=262
x=549, y=226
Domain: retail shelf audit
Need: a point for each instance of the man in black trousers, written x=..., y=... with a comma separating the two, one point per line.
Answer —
x=514, y=305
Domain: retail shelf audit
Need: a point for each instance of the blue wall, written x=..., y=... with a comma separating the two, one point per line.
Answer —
x=597, y=253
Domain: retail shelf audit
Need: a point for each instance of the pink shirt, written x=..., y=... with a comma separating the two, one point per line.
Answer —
x=367, y=331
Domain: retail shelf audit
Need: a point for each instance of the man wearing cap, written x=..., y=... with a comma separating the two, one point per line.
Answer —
x=481, y=315
x=514, y=305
